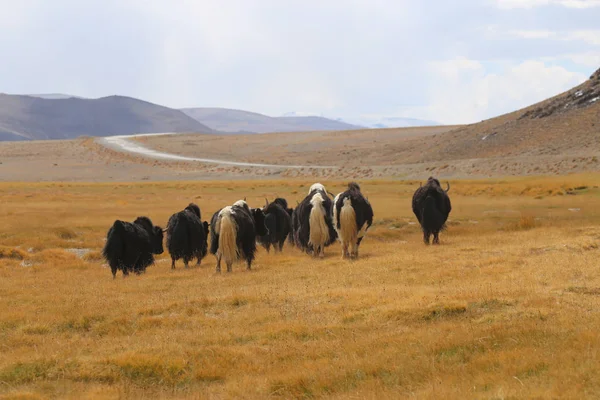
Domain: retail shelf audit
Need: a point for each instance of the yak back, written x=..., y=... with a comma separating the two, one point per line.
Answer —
x=362, y=207
x=132, y=245
x=301, y=216
x=282, y=202
x=193, y=208
x=277, y=221
x=186, y=234
x=431, y=189
x=244, y=219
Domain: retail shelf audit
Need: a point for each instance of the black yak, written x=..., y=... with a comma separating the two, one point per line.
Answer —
x=352, y=215
x=431, y=206
x=278, y=222
x=187, y=236
x=311, y=222
x=233, y=232
x=130, y=247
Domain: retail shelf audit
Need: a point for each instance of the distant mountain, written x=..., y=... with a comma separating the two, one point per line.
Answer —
x=388, y=122
x=314, y=123
x=239, y=121
x=35, y=118
x=54, y=96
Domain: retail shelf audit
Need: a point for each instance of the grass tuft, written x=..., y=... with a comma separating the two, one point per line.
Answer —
x=445, y=311
x=146, y=371
x=65, y=233
x=12, y=253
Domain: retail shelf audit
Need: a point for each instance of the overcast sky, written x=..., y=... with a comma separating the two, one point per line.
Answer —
x=449, y=61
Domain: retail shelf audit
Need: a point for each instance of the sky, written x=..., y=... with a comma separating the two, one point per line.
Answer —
x=449, y=61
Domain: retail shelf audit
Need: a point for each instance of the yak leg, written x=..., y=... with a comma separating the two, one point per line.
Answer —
x=436, y=238
x=229, y=267
x=199, y=261
x=426, y=236
x=186, y=263
x=353, y=250
x=321, y=251
x=172, y=263
x=281, y=242
x=268, y=247
x=219, y=263
x=248, y=265
x=344, y=250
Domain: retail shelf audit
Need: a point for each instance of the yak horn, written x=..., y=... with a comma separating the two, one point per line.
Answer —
x=448, y=189
x=164, y=230
x=266, y=202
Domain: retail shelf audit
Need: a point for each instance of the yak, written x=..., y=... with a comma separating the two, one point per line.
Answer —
x=431, y=205
x=233, y=232
x=187, y=236
x=130, y=247
x=311, y=222
x=278, y=222
x=352, y=215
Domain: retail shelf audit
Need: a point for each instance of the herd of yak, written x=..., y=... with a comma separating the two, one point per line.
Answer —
x=314, y=224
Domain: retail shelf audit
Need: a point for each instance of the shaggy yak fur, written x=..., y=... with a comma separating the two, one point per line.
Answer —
x=233, y=232
x=278, y=222
x=353, y=215
x=311, y=222
x=130, y=247
x=431, y=206
x=187, y=236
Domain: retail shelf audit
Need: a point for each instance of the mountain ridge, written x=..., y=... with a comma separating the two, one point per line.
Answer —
x=24, y=117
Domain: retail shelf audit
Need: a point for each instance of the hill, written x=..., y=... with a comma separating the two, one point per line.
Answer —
x=566, y=124
x=35, y=118
x=229, y=120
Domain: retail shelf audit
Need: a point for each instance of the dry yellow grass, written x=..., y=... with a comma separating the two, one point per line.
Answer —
x=506, y=307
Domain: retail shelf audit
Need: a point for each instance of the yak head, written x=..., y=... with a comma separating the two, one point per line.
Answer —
x=259, y=222
x=434, y=182
x=157, y=240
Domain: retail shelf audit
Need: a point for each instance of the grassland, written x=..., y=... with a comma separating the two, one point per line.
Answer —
x=506, y=307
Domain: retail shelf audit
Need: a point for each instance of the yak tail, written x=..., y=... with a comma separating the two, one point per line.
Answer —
x=319, y=232
x=348, y=229
x=228, y=238
x=113, y=248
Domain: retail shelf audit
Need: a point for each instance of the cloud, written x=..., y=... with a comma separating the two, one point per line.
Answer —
x=461, y=91
x=363, y=57
x=589, y=59
x=580, y=4
x=525, y=34
x=588, y=36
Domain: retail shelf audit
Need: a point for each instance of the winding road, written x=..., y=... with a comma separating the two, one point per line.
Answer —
x=123, y=143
